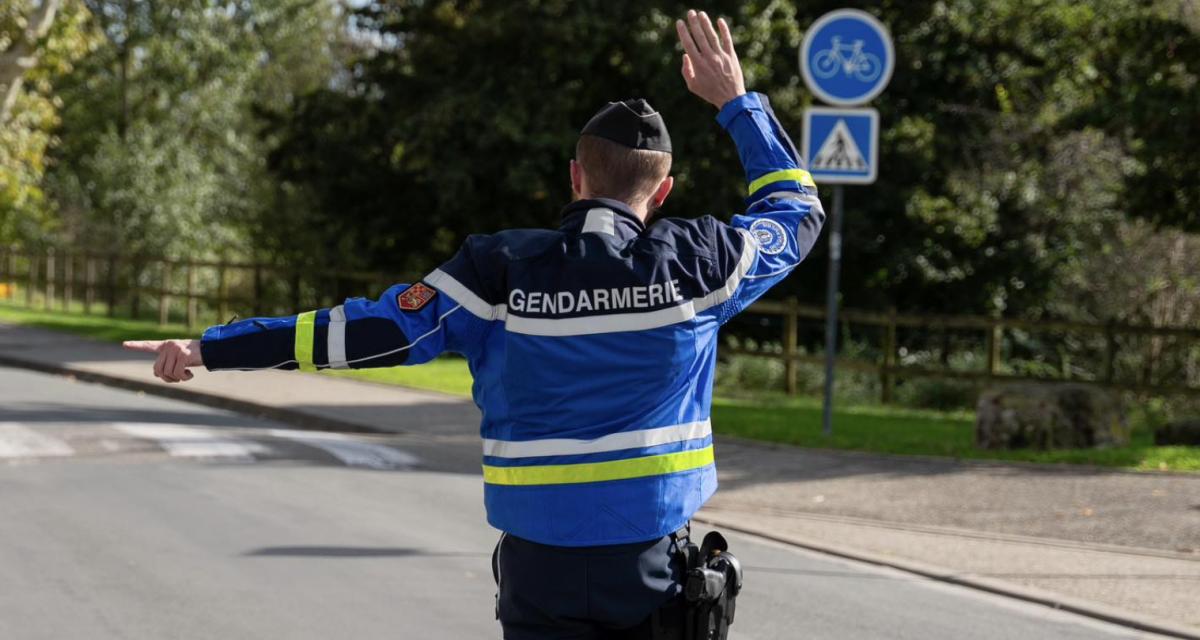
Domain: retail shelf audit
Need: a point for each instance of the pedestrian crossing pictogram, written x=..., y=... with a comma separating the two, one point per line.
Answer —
x=841, y=146
x=839, y=151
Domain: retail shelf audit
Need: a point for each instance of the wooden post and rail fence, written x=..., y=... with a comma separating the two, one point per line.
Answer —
x=1124, y=356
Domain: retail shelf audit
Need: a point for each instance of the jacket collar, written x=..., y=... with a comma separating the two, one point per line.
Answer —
x=602, y=215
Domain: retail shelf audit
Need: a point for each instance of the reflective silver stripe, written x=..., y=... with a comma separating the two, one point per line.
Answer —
x=612, y=442
x=462, y=295
x=337, y=338
x=610, y=323
x=600, y=220
x=749, y=252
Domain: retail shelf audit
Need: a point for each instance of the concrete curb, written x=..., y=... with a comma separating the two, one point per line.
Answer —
x=305, y=420
x=299, y=419
x=1093, y=610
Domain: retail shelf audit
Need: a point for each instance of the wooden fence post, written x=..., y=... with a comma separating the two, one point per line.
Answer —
x=1110, y=351
x=48, y=293
x=222, y=303
x=995, y=337
x=89, y=283
x=191, y=295
x=790, y=338
x=12, y=272
x=164, y=298
x=112, y=285
x=887, y=381
x=68, y=280
x=135, y=286
x=31, y=281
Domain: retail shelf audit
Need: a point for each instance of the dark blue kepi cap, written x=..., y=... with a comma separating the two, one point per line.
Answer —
x=630, y=123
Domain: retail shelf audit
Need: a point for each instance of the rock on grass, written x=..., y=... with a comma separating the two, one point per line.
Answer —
x=1049, y=416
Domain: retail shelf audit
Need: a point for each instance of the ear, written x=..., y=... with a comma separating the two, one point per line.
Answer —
x=576, y=179
x=664, y=190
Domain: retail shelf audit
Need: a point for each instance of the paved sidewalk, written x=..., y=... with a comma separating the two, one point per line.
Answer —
x=1116, y=544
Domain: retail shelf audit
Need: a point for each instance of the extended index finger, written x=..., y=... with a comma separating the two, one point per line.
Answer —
x=148, y=346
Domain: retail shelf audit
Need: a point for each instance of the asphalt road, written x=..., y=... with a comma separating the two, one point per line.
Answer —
x=129, y=516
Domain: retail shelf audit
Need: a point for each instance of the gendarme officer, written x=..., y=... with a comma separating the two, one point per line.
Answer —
x=593, y=347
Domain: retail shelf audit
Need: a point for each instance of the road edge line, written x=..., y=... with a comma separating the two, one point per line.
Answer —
x=1096, y=611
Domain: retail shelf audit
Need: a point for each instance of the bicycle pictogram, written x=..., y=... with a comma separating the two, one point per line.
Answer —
x=849, y=58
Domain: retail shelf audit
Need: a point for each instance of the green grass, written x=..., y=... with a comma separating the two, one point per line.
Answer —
x=797, y=421
x=767, y=417
x=99, y=327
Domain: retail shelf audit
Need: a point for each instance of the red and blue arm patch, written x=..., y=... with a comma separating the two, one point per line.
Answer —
x=415, y=297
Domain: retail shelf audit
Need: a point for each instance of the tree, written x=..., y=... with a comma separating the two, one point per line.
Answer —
x=165, y=155
x=23, y=33
x=35, y=48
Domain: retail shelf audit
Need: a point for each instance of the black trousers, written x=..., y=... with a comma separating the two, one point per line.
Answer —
x=615, y=592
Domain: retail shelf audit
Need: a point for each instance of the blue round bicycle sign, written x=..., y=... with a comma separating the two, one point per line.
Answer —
x=847, y=57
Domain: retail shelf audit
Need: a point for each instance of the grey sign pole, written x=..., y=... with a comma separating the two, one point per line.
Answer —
x=831, y=305
x=841, y=145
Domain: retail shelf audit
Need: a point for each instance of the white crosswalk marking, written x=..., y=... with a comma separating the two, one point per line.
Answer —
x=19, y=441
x=352, y=452
x=192, y=442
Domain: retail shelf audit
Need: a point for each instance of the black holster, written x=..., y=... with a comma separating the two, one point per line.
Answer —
x=711, y=583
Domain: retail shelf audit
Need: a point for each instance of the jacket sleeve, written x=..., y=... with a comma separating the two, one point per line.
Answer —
x=408, y=324
x=783, y=215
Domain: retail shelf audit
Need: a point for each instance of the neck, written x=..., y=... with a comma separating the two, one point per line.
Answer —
x=639, y=210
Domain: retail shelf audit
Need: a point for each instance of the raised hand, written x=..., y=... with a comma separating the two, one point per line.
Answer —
x=174, y=357
x=710, y=64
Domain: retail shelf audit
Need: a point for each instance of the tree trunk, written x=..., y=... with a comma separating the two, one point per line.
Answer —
x=22, y=55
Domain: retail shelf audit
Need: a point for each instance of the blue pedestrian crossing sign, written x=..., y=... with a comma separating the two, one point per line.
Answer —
x=841, y=146
x=847, y=57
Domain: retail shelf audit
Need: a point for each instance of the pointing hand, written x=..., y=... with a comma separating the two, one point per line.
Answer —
x=174, y=357
x=710, y=65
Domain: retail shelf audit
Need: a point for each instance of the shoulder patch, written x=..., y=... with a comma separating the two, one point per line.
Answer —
x=415, y=297
x=770, y=235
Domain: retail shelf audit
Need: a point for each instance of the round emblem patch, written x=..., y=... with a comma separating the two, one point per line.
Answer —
x=770, y=235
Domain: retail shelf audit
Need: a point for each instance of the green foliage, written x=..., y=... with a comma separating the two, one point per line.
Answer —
x=27, y=134
x=163, y=150
x=24, y=139
x=1016, y=136
x=738, y=373
x=938, y=393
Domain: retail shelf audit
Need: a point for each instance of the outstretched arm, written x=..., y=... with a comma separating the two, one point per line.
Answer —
x=406, y=325
x=783, y=216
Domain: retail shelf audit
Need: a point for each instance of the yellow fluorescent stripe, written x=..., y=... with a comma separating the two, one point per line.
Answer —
x=798, y=175
x=305, y=326
x=600, y=471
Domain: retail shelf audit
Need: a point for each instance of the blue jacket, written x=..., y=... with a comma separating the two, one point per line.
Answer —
x=593, y=346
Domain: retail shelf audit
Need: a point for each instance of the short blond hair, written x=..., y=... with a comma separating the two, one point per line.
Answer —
x=619, y=172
